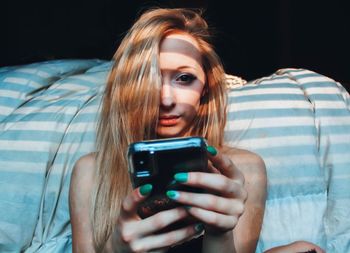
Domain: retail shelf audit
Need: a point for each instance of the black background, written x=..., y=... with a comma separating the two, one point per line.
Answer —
x=253, y=38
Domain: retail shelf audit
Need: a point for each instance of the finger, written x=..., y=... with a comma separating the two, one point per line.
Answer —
x=153, y=223
x=133, y=199
x=209, y=202
x=212, y=169
x=154, y=242
x=212, y=182
x=224, y=164
x=219, y=221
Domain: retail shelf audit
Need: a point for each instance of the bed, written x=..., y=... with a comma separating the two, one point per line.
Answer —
x=296, y=119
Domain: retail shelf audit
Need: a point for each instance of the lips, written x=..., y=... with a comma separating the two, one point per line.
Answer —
x=168, y=120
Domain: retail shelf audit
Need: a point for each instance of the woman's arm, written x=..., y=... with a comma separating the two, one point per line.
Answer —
x=82, y=181
x=297, y=247
x=79, y=204
x=247, y=231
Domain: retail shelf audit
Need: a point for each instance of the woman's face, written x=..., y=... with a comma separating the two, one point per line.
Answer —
x=183, y=80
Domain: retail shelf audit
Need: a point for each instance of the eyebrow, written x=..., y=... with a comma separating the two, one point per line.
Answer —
x=181, y=68
x=186, y=67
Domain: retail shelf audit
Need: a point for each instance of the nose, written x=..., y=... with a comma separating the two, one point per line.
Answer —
x=167, y=96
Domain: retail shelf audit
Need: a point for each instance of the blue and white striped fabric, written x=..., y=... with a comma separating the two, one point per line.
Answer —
x=297, y=120
x=47, y=121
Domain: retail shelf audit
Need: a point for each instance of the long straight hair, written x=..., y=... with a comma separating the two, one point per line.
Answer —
x=130, y=106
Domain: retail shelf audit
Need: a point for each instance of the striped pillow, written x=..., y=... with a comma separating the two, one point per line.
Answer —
x=47, y=118
x=299, y=122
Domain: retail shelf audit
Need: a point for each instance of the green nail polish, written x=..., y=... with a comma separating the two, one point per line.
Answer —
x=172, y=194
x=181, y=177
x=212, y=150
x=145, y=189
x=199, y=227
x=187, y=207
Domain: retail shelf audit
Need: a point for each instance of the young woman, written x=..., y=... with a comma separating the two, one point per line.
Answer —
x=166, y=82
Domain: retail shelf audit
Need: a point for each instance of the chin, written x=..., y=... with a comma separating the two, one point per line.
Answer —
x=179, y=130
x=168, y=133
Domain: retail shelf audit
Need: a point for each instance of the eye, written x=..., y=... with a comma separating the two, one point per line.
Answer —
x=185, y=78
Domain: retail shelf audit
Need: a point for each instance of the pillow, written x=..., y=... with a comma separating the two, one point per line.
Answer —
x=298, y=121
x=45, y=113
x=331, y=104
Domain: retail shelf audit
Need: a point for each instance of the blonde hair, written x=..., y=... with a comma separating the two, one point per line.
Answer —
x=131, y=105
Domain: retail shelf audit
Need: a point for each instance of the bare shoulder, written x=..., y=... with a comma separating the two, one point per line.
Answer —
x=253, y=168
x=246, y=161
x=85, y=167
x=87, y=161
x=82, y=179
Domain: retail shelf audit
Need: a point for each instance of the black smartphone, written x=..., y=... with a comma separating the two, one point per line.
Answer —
x=157, y=161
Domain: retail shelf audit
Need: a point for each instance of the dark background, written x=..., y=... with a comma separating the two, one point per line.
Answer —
x=253, y=38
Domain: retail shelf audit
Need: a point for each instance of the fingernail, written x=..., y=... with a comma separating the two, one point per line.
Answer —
x=212, y=150
x=199, y=227
x=172, y=194
x=181, y=177
x=187, y=207
x=145, y=189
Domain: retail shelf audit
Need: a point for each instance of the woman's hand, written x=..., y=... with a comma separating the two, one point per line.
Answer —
x=224, y=201
x=133, y=234
x=297, y=247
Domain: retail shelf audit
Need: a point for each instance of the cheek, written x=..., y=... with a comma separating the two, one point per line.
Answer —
x=191, y=112
x=190, y=99
x=191, y=96
x=190, y=104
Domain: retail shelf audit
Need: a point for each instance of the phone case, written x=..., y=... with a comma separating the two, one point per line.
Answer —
x=157, y=161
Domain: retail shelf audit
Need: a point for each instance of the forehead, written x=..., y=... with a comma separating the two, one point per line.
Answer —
x=181, y=45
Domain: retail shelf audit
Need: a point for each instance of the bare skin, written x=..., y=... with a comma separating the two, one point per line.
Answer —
x=296, y=247
x=232, y=217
